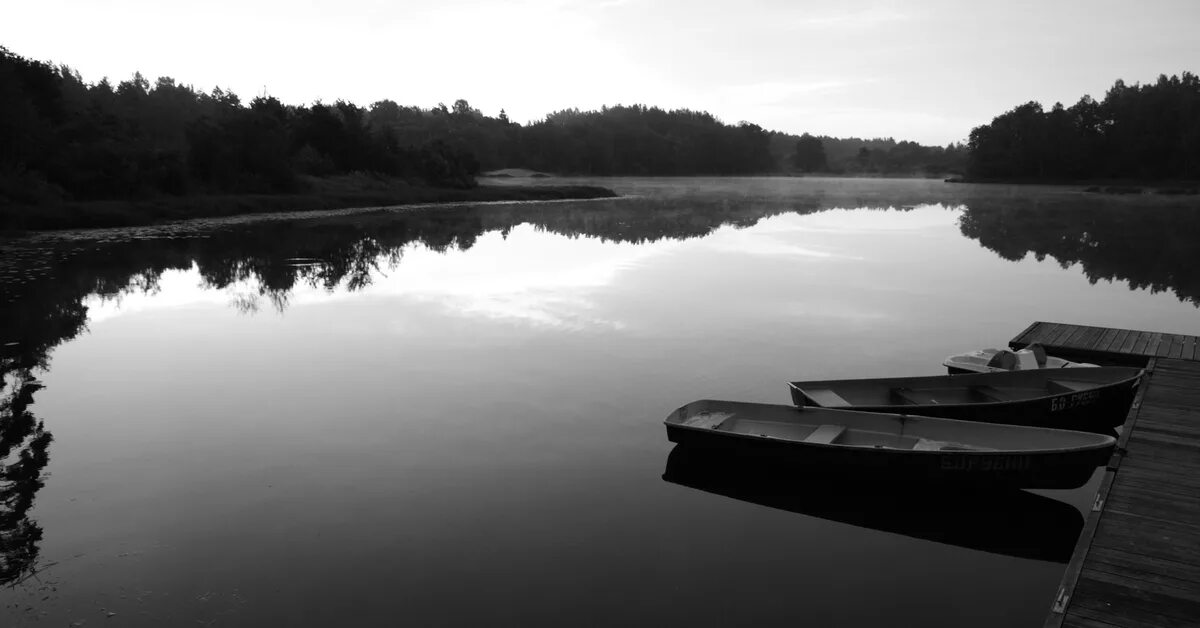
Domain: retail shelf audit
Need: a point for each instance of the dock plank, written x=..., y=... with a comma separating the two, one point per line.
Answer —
x=1183, y=386
x=1117, y=340
x=1137, y=466
x=1160, y=346
x=1075, y=339
x=1098, y=617
x=1061, y=334
x=1176, y=346
x=1043, y=332
x=1029, y=334
x=1107, y=339
x=1176, y=589
x=1086, y=622
x=1142, y=342
x=1150, y=504
x=1129, y=603
x=1091, y=337
x=1139, y=565
x=1130, y=340
x=1177, y=384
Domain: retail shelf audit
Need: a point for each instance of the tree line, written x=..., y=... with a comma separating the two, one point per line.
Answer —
x=66, y=139
x=1145, y=132
x=856, y=156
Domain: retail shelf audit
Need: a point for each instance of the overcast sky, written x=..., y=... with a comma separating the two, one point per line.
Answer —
x=922, y=70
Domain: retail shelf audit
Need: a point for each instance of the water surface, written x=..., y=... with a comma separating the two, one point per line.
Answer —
x=453, y=416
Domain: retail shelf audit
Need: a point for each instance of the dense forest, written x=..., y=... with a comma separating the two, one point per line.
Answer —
x=1145, y=132
x=69, y=140
x=66, y=139
x=856, y=156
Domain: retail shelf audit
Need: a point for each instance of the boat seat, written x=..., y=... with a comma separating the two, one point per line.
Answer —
x=1027, y=361
x=709, y=420
x=927, y=444
x=914, y=397
x=826, y=398
x=825, y=434
x=1067, y=385
x=991, y=393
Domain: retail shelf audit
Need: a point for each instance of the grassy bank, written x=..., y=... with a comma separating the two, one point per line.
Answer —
x=321, y=194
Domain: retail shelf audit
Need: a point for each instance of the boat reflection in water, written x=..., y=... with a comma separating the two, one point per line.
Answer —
x=1001, y=521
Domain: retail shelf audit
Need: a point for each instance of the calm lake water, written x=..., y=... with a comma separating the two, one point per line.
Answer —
x=453, y=416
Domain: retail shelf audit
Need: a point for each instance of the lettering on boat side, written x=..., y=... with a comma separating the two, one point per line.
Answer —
x=1075, y=400
x=985, y=463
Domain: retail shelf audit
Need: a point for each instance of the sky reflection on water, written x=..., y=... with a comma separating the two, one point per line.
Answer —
x=375, y=418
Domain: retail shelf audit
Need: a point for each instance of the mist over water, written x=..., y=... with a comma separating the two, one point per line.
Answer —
x=453, y=416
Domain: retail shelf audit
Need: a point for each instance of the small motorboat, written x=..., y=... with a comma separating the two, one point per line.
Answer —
x=892, y=445
x=1030, y=358
x=1092, y=399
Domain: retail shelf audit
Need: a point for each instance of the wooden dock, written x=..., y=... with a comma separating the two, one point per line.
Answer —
x=1137, y=560
x=1122, y=346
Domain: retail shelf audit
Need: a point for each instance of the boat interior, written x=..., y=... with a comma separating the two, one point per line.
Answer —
x=832, y=434
x=862, y=429
x=959, y=389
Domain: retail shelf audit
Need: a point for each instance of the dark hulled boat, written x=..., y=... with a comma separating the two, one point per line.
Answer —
x=1090, y=399
x=891, y=445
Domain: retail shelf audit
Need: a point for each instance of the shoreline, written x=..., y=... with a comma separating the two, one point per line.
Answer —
x=107, y=214
x=1100, y=186
x=744, y=175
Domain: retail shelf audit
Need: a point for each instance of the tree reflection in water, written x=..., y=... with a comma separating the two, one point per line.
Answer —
x=24, y=444
x=1151, y=248
x=45, y=283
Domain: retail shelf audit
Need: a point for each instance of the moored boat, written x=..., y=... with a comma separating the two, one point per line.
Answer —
x=1090, y=399
x=893, y=445
x=999, y=360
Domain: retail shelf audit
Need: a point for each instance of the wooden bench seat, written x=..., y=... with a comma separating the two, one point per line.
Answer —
x=914, y=397
x=826, y=398
x=991, y=393
x=825, y=434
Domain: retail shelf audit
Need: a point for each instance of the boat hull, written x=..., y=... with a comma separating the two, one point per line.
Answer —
x=1059, y=470
x=887, y=447
x=1098, y=409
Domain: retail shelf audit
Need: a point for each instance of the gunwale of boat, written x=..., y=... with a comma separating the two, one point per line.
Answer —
x=855, y=436
x=850, y=391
